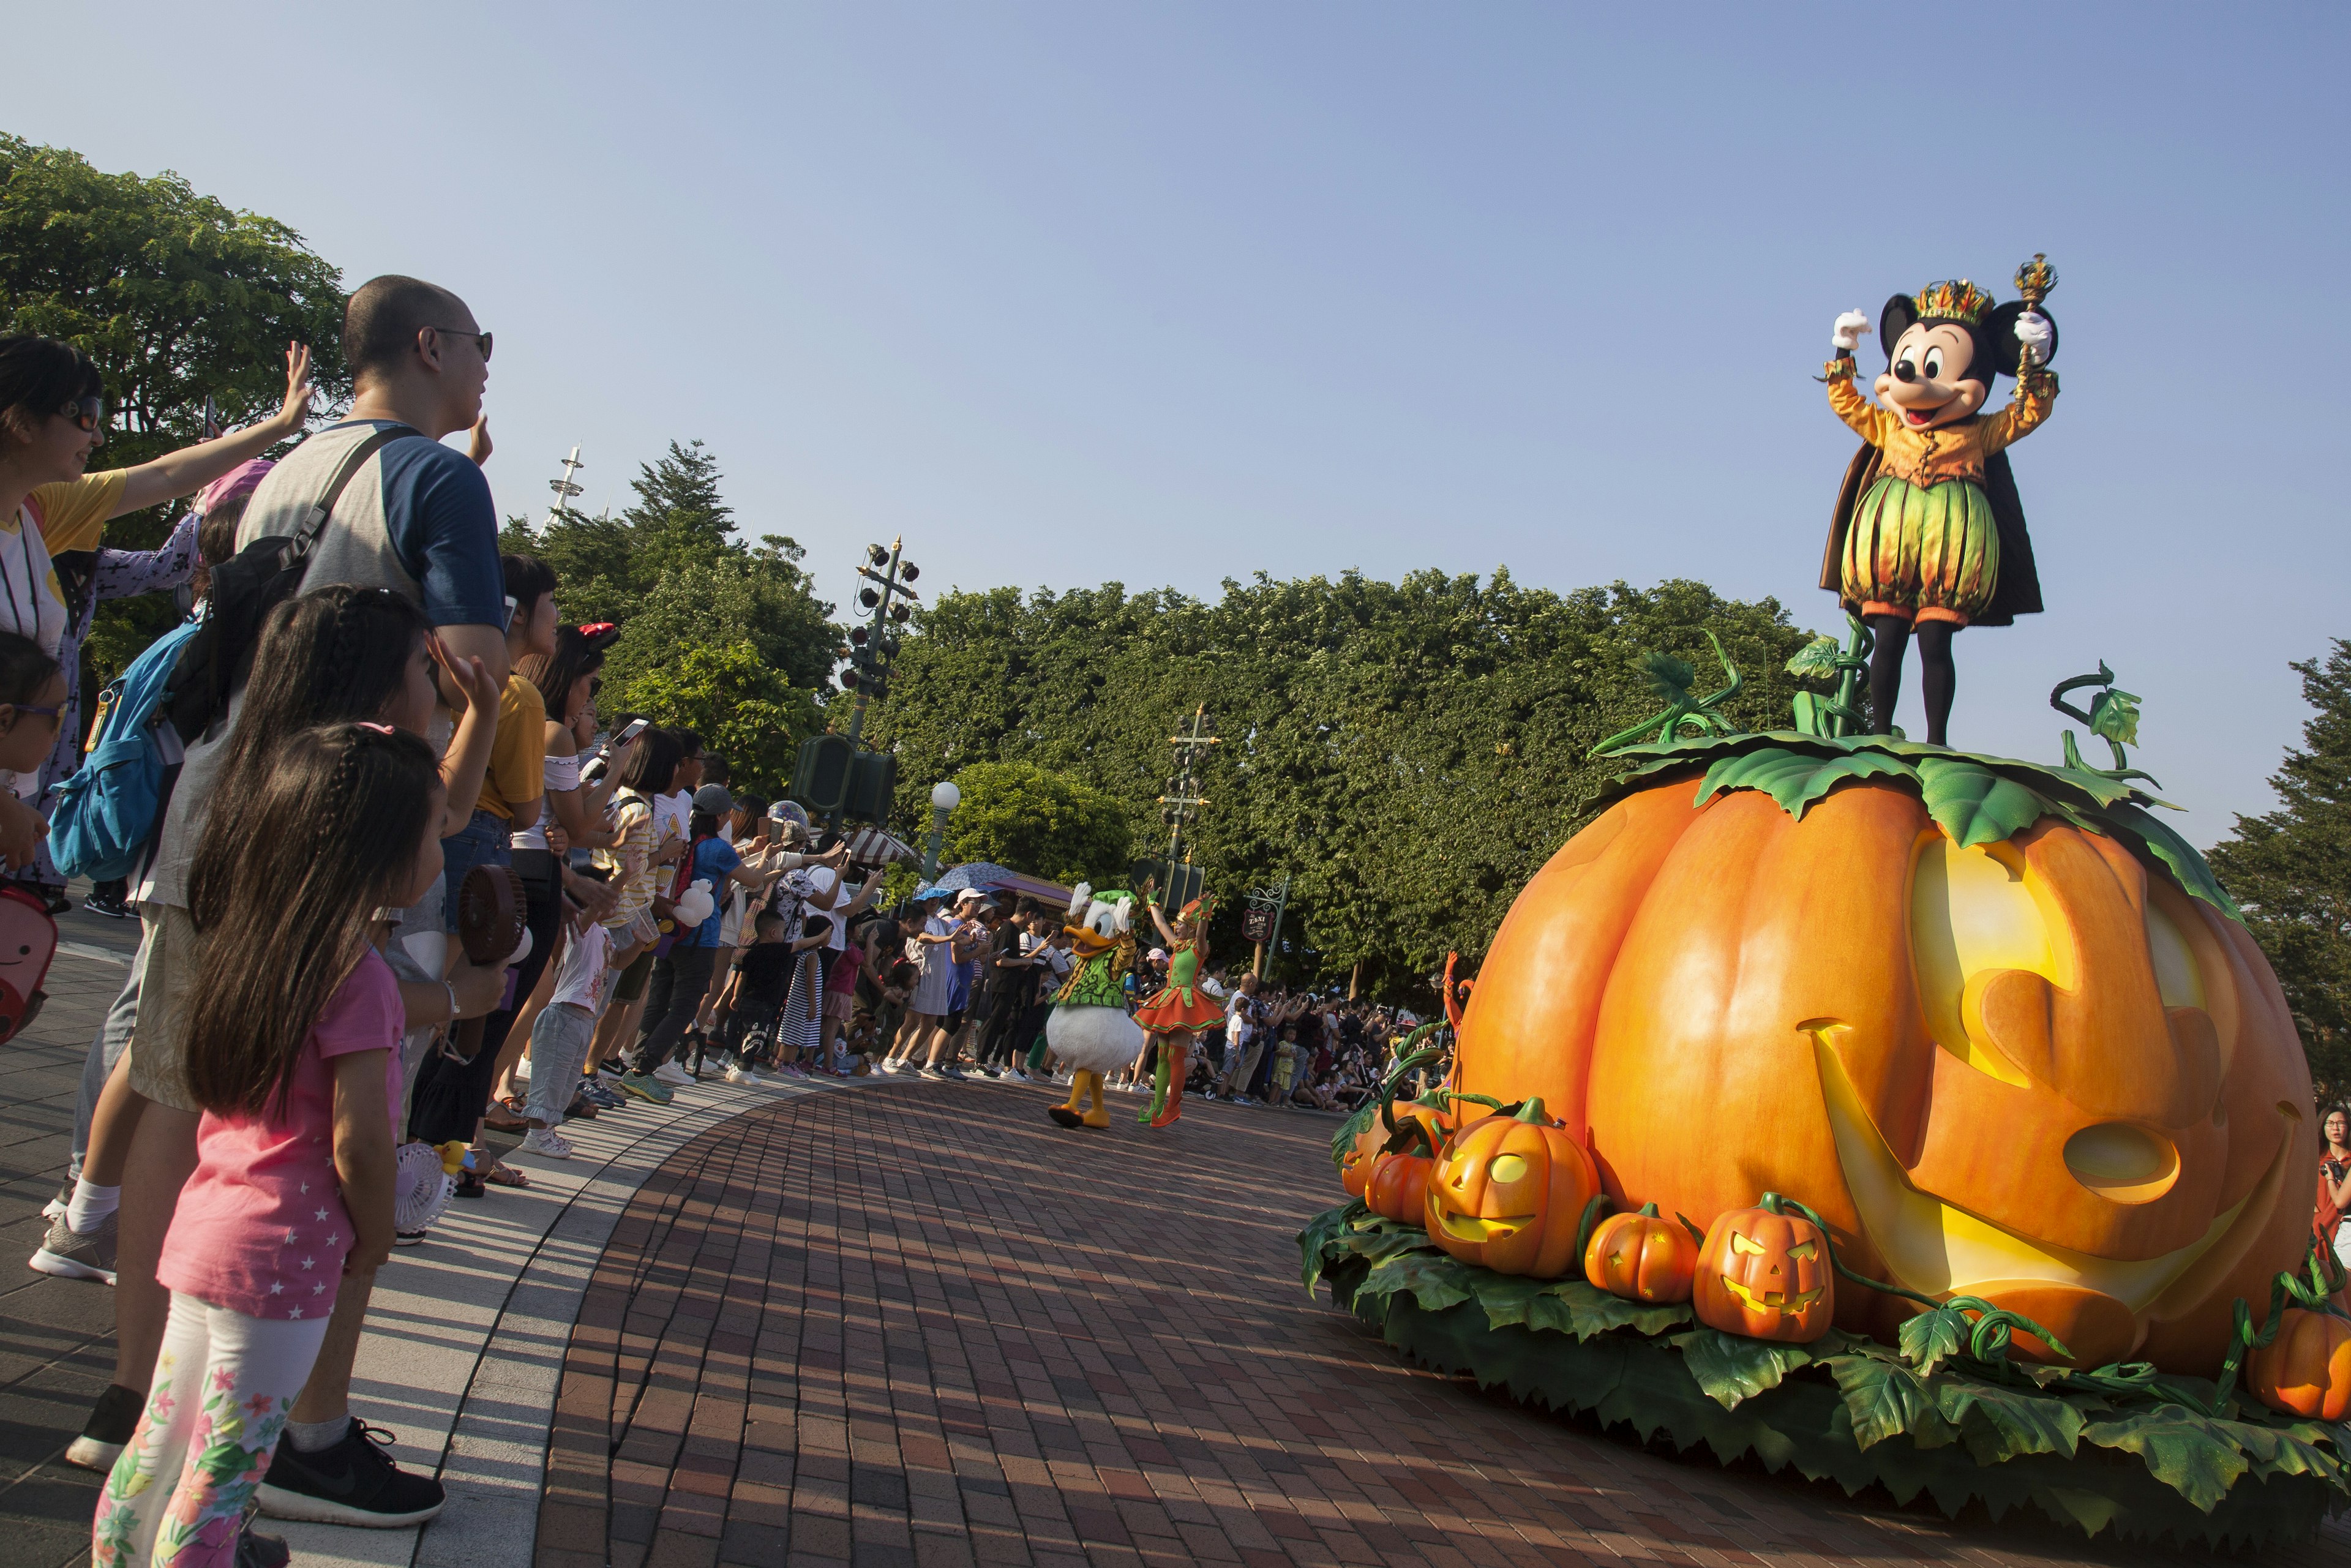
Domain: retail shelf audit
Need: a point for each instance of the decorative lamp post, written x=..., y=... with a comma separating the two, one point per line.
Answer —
x=944, y=798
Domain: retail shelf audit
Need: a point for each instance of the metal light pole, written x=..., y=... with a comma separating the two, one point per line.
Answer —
x=1262, y=924
x=1183, y=801
x=944, y=798
x=564, y=490
x=872, y=647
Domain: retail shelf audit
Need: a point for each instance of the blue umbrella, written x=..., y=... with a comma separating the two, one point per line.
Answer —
x=985, y=876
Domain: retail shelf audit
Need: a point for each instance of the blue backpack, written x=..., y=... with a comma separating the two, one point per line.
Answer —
x=103, y=816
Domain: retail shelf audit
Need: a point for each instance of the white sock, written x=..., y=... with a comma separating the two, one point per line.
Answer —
x=90, y=1204
x=316, y=1437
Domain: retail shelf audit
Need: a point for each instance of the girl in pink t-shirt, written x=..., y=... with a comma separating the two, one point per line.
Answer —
x=290, y=1038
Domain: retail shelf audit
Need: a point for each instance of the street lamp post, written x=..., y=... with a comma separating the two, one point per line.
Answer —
x=944, y=798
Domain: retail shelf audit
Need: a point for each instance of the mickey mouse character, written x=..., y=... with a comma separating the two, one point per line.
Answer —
x=1928, y=535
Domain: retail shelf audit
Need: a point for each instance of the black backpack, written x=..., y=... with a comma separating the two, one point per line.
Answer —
x=245, y=588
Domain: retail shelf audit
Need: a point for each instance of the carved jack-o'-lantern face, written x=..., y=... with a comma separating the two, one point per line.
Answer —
x=1766, y=1275
x=2034, y=1070
x=1510, y=1194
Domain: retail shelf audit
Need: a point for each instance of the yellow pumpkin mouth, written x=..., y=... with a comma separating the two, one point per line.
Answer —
x=1938, y=1249
x=1770, y=1300
x=1469, y=1227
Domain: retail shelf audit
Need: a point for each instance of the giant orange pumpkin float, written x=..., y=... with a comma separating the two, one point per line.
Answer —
x=2033, y=1070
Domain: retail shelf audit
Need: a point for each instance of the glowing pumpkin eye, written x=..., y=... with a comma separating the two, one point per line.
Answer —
x=1801, y=1251
x=1740, y=1244
x=1507, y=1167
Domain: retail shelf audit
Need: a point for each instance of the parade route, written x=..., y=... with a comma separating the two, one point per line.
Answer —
x=908, y=1322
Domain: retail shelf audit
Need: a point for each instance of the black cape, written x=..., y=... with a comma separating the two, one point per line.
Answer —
x=2016, y=591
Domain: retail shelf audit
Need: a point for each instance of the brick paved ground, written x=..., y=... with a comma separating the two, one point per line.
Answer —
x=919, y=1326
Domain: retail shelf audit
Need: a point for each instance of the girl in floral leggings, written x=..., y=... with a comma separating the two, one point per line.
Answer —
x=291, y=1038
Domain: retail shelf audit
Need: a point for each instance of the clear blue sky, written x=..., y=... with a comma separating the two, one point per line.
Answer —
x=1066, y=293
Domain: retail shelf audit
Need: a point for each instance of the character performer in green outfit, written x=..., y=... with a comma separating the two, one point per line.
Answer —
x=1175, y=1017
x=1089, y=1031
x=1929, y=535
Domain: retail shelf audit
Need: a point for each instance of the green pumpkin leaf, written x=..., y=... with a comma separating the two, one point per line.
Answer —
x=1932, y=1338
x=1731, y=1367
x=1816, y=660
x=1885, y=1399
x=2114, y=715
x=1343, y=1140
x=1670, y=678
x=2282, y=1452
x=2187, y=866
x=1972, y=804
x=1319, y=1240
x=1795, y=779
x=1999, y=1423
x=1434, y=1280
x=1593, y=1311
x=2188, y=1452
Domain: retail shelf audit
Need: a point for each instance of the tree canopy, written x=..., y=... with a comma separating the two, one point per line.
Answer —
x=1409, y=753
x=178, y=297
x=1036, y=820
x=2290, y=870
x=723, y=637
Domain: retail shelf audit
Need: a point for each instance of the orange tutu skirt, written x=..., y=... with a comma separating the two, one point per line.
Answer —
x=1170, y=1010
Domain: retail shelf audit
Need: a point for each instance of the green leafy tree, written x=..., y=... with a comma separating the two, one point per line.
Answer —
x=178, y=297
x=1409, y=753
x=1041, y=822
x=726, y=638
x=2290, y=873
x=740, y=707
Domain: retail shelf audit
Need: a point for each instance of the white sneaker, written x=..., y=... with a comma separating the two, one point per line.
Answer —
x=892, y=1064
x=546, y=1141
x=737, y=1074
x=676, y=1077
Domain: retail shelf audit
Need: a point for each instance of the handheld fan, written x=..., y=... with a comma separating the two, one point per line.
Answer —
x=422, y=1178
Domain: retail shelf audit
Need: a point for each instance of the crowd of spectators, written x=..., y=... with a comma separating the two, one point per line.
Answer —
x=396, y=707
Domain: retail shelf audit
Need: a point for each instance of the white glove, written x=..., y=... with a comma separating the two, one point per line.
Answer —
x=2032, y=334
x=1849, y=330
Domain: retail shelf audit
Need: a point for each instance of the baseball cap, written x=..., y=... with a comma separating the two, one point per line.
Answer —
x=713, y=799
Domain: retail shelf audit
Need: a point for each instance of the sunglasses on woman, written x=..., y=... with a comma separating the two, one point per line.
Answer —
x=85, y=411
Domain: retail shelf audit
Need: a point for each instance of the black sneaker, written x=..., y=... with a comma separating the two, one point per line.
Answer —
x=255, y=1550
x=409, y=1237
x=107, y=904
x=111, y=1422
x=351, y=1482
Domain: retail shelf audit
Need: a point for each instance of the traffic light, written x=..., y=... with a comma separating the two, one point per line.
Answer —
x=821, y=779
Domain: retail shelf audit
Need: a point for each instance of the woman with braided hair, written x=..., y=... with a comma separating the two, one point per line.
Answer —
x=342, y=654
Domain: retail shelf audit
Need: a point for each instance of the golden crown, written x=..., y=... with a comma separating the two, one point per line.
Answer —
x=1953, y=299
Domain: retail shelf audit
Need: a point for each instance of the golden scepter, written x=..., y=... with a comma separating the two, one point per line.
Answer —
x=2034, y=280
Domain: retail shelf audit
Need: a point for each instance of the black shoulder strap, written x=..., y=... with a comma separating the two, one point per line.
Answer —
x=316, y=518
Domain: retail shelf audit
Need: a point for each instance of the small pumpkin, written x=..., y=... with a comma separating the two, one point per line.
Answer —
x=1508, y=1194
x=1641, y=1258
x=1356, y=1164
x=1399, y=1183
x=1765, y=1273
x=2306, y=1370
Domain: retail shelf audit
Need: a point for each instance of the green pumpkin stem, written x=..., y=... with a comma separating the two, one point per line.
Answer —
x=1531, y=1112
x=1648, y=1211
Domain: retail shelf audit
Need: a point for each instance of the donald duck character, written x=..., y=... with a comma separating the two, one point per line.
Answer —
x=1089, y=1029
